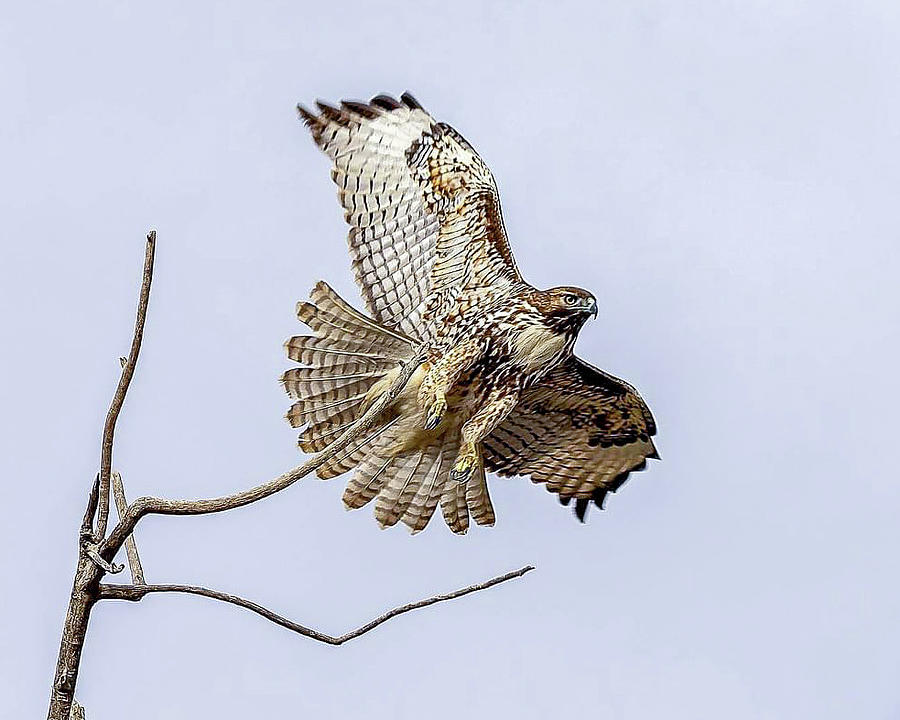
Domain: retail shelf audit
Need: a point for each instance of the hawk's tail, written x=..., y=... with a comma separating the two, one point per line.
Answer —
x=345, y=357
x=345, y=365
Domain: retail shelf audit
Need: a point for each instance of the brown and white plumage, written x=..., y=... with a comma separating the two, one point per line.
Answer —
x=501, y=391
x=579, y=431
x=422, y=206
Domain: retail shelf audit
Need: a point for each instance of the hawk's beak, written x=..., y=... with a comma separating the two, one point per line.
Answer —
x=592, y=309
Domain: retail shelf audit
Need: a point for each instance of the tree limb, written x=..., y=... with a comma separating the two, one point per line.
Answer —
x=136, y=593
x=131, y=551
x=109, y=427
x=96, y=551
x=158, y=506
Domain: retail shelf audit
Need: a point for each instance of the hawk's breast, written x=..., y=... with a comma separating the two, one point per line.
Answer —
x=536, y=347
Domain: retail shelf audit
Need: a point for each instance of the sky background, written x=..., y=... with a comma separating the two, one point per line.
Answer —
x=722, y=175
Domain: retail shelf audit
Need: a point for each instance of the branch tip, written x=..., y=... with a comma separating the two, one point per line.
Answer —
x=87, y=522
x=112, y=416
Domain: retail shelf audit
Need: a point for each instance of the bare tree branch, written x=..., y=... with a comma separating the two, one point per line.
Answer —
x=109, y=427
x=131, y=551
x=91, y=565
x=135, y=593
x=96, y=551
x=158, y=506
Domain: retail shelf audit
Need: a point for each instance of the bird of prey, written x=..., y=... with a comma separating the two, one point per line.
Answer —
x=500, y=390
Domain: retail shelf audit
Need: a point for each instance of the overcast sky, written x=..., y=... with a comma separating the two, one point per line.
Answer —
x=722, y=175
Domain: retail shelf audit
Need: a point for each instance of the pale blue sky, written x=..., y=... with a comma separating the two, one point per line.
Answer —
x=722, y=175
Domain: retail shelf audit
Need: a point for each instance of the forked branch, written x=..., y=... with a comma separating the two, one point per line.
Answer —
x=135, y=593
x=97, y=551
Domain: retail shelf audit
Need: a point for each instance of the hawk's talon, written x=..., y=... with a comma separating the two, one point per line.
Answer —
x=464, y=467
x=435, y=413
x=460, y=477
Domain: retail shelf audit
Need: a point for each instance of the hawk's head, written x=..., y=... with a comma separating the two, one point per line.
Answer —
x=565, y=309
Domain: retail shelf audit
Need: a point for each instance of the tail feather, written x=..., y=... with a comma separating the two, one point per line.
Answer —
x=348, y=354
x=375, y=467
x=452, y=495
x=368, y=480
x=354, y=454
x=397, y=494
x=336, y=412
x=344, y=370
x=327, y=428
x=309, y=382
x=324, y=352
x=348, y=359
x=386, y=504
x=299, y=388
x=324, y=322
x=365, y=484
x=317, y=387
x=318, y=437
x=328, y=300
x=454, y=508
x=478, y=499
x=423, y=504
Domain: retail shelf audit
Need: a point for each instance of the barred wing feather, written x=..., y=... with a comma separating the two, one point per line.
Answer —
x=579, y=430
x=423, y=209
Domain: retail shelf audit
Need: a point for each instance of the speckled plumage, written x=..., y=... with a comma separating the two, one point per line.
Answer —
x=500, y=391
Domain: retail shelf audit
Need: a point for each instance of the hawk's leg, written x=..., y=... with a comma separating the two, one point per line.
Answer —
x=441, y=377
x=499, y=403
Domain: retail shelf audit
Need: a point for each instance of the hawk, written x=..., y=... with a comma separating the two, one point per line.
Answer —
x=500, y=390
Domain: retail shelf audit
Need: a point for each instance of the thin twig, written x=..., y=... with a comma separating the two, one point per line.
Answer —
x=135, y=593
x=131, y=551
x=109, y=427
x=158, y=506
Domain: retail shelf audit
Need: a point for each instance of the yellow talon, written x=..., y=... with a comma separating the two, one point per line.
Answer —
x=435, y=413
x=464, y=467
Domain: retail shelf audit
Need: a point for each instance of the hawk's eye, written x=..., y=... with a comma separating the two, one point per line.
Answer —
x=570, y=299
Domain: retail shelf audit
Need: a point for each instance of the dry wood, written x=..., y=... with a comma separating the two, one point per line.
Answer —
x=131, y=551
x=87, y=522
x=97, y=551
x=135, y=593
x=109, y=427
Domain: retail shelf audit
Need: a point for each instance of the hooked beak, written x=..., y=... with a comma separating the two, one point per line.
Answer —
x=592, y=309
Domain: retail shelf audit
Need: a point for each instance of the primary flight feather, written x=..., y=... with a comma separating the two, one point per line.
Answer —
x=500, y=390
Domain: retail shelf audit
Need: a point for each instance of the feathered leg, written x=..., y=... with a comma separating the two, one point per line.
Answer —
x=441, y=377
x=499, y=403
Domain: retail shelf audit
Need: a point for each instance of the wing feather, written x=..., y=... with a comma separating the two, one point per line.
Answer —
x=579, y=431
x=423, y=209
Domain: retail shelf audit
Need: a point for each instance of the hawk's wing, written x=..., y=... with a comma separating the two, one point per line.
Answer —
x=422, y=206
x=579, y=430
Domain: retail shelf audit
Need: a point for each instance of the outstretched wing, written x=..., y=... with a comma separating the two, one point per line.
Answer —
x=422, y=206
x=579, y=430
